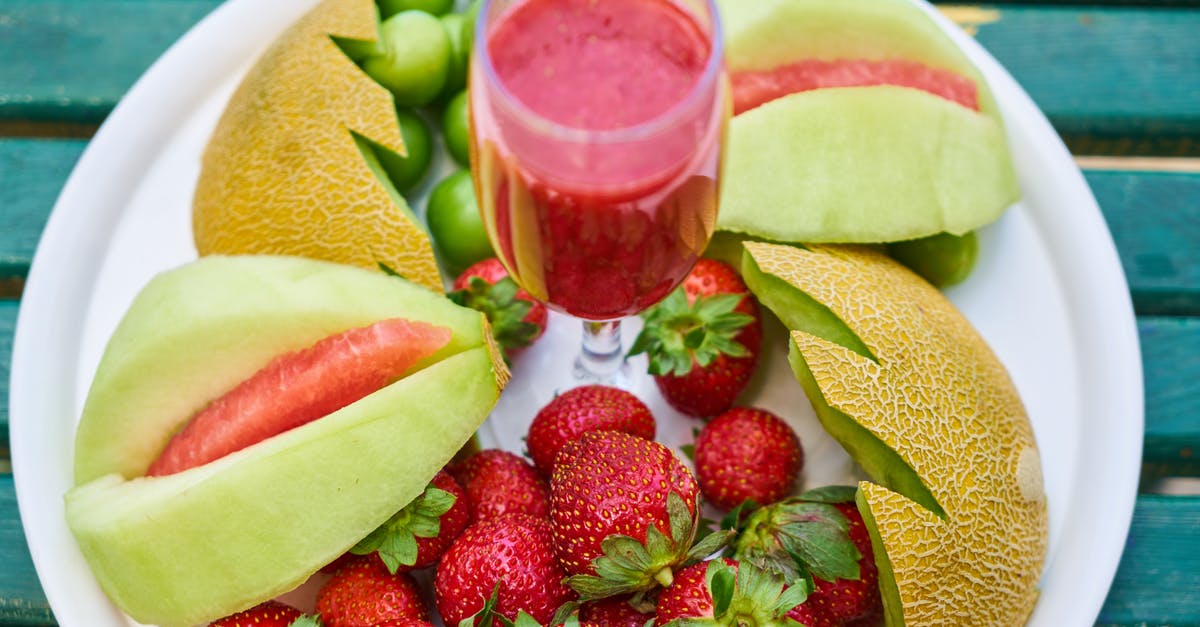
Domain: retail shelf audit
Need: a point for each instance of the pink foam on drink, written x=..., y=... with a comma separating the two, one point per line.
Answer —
x=299, y=387
x=598, y=65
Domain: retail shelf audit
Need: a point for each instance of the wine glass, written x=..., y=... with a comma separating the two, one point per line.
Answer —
x=596, y=136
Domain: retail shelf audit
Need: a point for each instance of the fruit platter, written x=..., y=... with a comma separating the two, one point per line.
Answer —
x=898, y=382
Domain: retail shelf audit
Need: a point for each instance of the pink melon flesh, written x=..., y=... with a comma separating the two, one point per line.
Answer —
x=751, y=89
x=299, y=387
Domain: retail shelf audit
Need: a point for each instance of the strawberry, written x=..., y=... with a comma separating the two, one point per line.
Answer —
x=612, y=612
x=703, y=340
x=416, y=536
x=819, y=535
x=625, y=512
x=266, y=614
x=510, y=556
x=747, y=454
x=517, y=319
x=499, y=482
x=582, y=409
x=364, y=593
x=844, y=600
x=728, y=593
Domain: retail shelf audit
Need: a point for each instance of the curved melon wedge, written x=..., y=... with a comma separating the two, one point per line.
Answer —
x=766, y=34
x=195, y=332
x=863, y=164
x=192, y=547
x=901, y=379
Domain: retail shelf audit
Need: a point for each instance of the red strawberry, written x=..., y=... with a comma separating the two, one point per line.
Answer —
x=820, y=533
x=499, y=482
x=511, y=555
x=416, y=536
x=266, y=614
x=582, y=409
x=615, y=494
x=517, y=319
x=365, y=593
x=703, y=340
x=729, y=593
x=612, y=612
x=844, y=600
x=744, y=454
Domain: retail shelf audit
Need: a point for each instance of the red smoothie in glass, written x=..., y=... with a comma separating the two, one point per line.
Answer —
x=596, y=156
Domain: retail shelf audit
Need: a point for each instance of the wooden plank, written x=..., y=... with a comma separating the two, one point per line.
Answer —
x=31, y=174
x=1155, y=221
x=8, y=324
x=1097, y=71
x=1171, y=368
x=71, y=60
x=1109, y=72
x=1159, y=574
x=22, y=601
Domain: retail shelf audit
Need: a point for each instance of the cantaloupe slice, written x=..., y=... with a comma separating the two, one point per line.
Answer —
x=956, y=506
x=199, y=544
x=290, y=169
x=858, y=164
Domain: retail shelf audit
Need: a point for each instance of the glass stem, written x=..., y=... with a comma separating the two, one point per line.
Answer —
x=601, y=358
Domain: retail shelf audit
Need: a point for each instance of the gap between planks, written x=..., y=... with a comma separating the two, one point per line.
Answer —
x=1139, y=164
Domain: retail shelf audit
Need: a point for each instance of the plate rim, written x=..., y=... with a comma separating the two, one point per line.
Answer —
x=155, y=86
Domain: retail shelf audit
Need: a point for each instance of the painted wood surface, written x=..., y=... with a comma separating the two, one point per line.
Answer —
x=1096, y=71
x=1114, y=76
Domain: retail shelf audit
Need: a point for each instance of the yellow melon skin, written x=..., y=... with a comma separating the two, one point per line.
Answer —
x=956, y=507
x=283, y=174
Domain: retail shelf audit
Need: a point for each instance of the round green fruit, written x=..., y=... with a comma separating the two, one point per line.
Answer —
x=941, y=259
x=415, y=58
x=457, y=128
x=460, y=53
x=407, y=171
x=434, y=7
x=455, y=223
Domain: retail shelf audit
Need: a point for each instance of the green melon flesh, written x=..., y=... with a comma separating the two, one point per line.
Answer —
x=192, y=547
x=863, y=164
x=197, y=331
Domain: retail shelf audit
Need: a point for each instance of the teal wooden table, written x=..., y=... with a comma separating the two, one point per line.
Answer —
x=1120, y=82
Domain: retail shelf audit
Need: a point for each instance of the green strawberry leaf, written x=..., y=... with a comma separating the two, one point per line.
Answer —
x=396, y=539
x=677, y=335
x=502, y=306
x=307, y=620
x=830, y=494
x=793, y=537
x=721, y=582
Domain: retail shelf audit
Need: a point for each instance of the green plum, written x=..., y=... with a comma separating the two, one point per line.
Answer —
x=942, y=259
x=456, y=128
x=433, y=7
x=408, y=171
x=415, y=59
x=455, y=223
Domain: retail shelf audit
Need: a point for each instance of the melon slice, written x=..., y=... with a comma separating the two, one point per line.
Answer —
x=955, y=507
x=219, y=537
x=889, y=153
x=287, y=171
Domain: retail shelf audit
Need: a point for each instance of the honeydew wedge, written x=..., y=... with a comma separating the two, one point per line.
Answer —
x=858, y=164
x=863, y=164
x=955, y=505
x=193, y=546
x=291, y=167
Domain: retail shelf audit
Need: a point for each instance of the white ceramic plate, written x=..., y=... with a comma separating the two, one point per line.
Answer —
x=1049, y=295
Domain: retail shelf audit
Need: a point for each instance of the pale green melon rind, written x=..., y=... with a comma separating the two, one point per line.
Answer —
x=191, y=547
x=766, y=34
x=863, y=164
x=800, y=312
x=889, y=592
x=197, y=331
